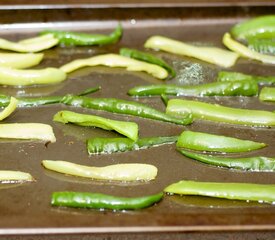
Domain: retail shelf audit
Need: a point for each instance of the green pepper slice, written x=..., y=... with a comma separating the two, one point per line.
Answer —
x=267, y=94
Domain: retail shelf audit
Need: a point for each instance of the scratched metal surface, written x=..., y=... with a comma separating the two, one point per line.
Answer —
x=25, y=208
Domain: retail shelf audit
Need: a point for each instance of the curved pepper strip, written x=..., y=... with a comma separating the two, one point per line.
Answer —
x=124, y=107
x=224, y=76
x=258, y=163
x=147, y=57
x=103, y=201
x=267, y=94
x=9, y=109
x=116, y=172
x=219, y=113
x=18, y=77
x=258, y=27
x=215, y=143
x=236, y=191
x=214, y=55
x=129, y=129
x=111, y=145
x=245, y=51
x=7, y=176
x=236, y=88
x=35, y=44
x=264, y=46
x=20, y=60
x=115, y=60
x=84, y=39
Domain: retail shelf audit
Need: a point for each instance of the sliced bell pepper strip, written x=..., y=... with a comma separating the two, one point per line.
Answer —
x=128, y=129
x=264, y=46
x=36, y=131
x=258, y=163
x=214, y=55
x=20, y=60
x=115, y=60
x=35, y=44
x=116, y=172
x=258, y=27
x=9, y=109
x=219, y=113
x=215, y=143
x=147, y=57
x=245, y=51
x=111, y=145
x=19, y=77
x=84, y=39
x=237, y=191
x=236, y=88
x=267, y=94
x=7, y=176
x=224, y=76
x=103, y=201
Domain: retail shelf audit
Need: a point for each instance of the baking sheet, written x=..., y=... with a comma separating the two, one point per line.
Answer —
x=25, y=208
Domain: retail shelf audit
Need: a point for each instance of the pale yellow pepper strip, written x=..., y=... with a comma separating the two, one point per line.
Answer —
x=244, y=51
x=9, y=109
x=214, y=55
x=116, y=172
x=15, y=176
x=115, y=60
x=35, y=44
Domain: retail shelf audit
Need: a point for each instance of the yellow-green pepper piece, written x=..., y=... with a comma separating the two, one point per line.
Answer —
x=8, y=176
x=9, y=109
x=20, y=60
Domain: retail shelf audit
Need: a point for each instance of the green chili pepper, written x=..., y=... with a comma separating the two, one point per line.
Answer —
x=265, y=45
x=237, y=191
x=20, y=60
x=267, y=94
x=164, y=99
x=124, y=107
x=19, y=77
x=129, y=129
x=244, y=51
x=219, y=113
x=111, y=145
x=258, y=27
x=103, y=201
x=84, y=39
x=224, y=76
x=115, y=60
x=147, y=57
x=212, y=55
x=215, y=143
x=236, y=88
x=258, y=163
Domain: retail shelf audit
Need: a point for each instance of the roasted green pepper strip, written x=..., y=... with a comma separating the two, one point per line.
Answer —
x=258, y=163
x=128, y=129
x=219, y=113
x=215, y=143
x=115, y=60
x=236, y=191
x=236, y=88
x=20, y=60
x=265, y=46
x=111, y=145
x=258, y=27
x=225, y=76
x=103, y=201
x=214, y=55
x=147, y=57
x=267, y=94
x=84, y=39
x=19, y=77
x=124, y=107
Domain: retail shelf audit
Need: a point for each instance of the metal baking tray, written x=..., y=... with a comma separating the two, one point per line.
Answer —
x=25, y=208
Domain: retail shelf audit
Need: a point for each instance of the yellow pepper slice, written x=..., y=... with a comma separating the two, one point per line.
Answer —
x=20, y=60
x=8, y=176
x=9, y=109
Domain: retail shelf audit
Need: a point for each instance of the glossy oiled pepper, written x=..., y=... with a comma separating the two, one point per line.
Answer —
x=111, y=145
x=84, y=39
x=124, y=107
x=147, y=57
x=103, y=201
x=8, y=176
x=20, y=60
x=265, y=46
x=219, y=113
x=129, y=129
x=215, y=143
x=236, y=88
x=237, y=191
x=267, y=94
x=225, y=76
x=258, y=163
